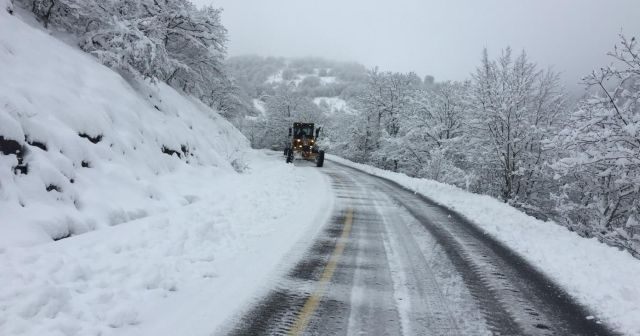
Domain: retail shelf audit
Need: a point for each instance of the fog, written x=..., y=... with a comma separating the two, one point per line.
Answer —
x=432, y=37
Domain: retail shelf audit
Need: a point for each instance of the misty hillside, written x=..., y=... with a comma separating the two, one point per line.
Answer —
x=328, y=84
x=314, y=77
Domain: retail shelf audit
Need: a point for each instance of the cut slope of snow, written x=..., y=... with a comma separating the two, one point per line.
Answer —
x=177, y=273
x=94, y=141
x=599, y=276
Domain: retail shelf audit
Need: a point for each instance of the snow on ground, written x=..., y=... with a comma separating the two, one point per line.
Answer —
x=259, y=106
x=328, y=80
x=333, y=104
x=599, y=276
x=275, y=78
x=94, y=141
x=182, y=272
x=278, y=78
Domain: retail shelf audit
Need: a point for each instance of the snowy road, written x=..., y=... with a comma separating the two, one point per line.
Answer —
x=390, y=262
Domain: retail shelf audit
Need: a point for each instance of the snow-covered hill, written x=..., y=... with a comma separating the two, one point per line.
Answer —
x=313, y=78
x=82, y=148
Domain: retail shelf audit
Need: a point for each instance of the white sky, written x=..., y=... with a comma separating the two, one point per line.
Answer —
x=442, y=38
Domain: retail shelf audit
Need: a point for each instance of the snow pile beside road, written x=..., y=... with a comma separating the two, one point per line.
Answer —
x=599, y=276
x=81, y=148
x=176, y=273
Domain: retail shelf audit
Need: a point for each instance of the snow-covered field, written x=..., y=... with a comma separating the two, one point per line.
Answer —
x=601, y=277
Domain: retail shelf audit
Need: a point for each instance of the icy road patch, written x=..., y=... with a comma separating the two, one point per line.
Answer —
x=181, y=272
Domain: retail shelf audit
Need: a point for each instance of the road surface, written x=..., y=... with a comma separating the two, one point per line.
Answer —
x=391, y=262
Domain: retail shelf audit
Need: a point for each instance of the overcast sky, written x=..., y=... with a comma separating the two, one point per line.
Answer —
x=443, y=38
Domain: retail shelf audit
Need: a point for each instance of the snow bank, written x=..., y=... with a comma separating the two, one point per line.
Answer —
x=95, y=149
x=597, y=275
x=175, y=273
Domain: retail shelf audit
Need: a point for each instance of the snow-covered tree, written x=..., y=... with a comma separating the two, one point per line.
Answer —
x=168, y=40
x=284, y=108
x=434, y=133
x=601, y=172
x=382, y=103
x=515, y=108
x=226, y=97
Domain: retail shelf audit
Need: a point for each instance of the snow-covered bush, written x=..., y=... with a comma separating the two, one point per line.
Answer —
x=515, y=108
x=601, y=168
x=124, y=47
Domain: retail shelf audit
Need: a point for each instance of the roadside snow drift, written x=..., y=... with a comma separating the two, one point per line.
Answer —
x=183, y=272
x=597, y=275
x=82, y=148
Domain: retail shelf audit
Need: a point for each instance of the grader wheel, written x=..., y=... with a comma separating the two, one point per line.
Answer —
x=320, y=159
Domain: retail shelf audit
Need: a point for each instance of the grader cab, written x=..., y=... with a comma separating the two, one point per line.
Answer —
x=302, y=144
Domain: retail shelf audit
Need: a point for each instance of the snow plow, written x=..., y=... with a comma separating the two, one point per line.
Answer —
x=302, y=144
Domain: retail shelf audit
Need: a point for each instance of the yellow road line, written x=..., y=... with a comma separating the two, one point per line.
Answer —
x=312, y=302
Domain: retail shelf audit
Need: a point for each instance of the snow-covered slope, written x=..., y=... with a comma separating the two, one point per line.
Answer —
x=333, y=105
x=82, y=148
x=599, y=276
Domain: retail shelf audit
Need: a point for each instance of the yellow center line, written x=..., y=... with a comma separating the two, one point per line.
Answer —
x=312, y=302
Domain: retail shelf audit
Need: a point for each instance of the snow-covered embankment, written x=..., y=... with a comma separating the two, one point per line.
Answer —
x=82, y=148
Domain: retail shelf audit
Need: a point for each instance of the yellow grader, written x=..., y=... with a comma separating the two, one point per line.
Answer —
x=302, y=144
